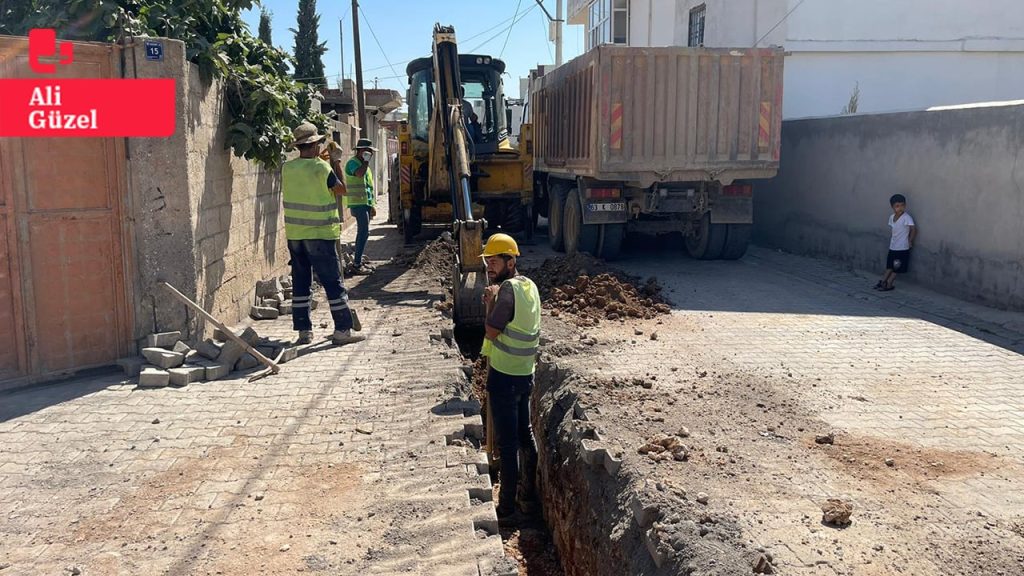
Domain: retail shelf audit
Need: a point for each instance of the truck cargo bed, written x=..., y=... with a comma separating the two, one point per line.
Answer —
x=645, y=115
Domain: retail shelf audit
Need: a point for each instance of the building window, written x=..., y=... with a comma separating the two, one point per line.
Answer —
x=608, y=23
x=697, y=25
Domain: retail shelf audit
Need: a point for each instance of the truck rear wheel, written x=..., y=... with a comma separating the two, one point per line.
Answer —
x=556, y=208
x=736, y=241
x=579, y=237
x=612, y=236
x=707, y=240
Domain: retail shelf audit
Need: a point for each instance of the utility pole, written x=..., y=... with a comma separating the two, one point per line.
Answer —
x=359, y=68
x=341, y=38
x=558, y=32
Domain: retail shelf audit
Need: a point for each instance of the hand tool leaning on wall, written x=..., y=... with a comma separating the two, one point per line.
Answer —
x=272, y=367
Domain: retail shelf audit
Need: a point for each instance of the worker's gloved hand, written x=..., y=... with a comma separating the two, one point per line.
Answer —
x=373, y=212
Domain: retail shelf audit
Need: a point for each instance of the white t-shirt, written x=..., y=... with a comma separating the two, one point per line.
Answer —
x=900, y=231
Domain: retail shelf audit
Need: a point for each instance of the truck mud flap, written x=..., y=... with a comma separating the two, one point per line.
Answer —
x=726, y=210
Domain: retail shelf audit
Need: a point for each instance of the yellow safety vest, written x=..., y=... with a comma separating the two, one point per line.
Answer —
x=358, y=189
x=310, y=209
x=514, y=351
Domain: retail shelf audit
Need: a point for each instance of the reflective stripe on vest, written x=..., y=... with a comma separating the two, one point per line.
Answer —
x=310, y=209
x=358, y=188
x=514, y=351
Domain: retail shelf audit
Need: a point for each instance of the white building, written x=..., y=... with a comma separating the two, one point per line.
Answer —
x=891, y=54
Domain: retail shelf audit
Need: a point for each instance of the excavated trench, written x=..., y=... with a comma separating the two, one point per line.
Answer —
x=604, y=516
x=599, y=515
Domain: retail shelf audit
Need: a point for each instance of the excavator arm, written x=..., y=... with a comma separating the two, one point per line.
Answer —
x=449, y=143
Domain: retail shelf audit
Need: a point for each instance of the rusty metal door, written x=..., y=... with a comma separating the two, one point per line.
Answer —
x=63, y=298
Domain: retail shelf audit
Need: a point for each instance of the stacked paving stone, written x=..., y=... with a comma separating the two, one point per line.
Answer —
x=168, y=361
x=273, y=299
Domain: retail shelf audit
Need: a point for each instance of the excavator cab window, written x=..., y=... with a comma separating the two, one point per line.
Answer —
x=482, y=101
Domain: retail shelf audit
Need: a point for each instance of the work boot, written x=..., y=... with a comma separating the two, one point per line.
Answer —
x=305, y=337
x=342, y=337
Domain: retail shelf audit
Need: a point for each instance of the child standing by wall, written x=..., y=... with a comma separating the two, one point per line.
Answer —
x=902, y=240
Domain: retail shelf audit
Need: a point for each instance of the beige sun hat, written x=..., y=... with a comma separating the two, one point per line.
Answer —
x=306, y=133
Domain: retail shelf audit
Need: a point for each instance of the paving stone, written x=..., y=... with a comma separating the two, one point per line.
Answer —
x=163, y=358
x=268, y=288
x=209, y=349
x=163, y=340
x=232, y=351
x=132, y=365
x=263, y=313
x=184, y=376
x=285, y=307
x=182, y=348
x=247, y=362
x=217, y=370
x=152, y=377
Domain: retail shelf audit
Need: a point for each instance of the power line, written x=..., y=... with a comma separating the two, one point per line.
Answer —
x=379, y=47
x=473, y=37
x=509, y=35
x=514, y=22
x=779, y=23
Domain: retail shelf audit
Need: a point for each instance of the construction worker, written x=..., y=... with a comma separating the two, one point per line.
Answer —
x=359, y=193
x=512, y=336
x=312, y=227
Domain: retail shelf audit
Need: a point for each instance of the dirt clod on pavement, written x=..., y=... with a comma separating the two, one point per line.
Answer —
x=665, y=447
x=588, y=289
x=835, y=512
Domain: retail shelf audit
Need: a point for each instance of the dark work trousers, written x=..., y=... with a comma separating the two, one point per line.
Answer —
x=510, y=408
x=362, y=216
x=321, y=256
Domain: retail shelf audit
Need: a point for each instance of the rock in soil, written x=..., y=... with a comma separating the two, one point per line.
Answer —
x=835, y=512
x=829, y=438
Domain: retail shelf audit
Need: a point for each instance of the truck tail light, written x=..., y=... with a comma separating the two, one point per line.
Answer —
x=603, y=193
x=745, y=190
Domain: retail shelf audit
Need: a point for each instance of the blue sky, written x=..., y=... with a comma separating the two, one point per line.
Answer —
x=404, y=29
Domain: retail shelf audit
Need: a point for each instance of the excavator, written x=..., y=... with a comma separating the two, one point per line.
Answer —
x=457, y=165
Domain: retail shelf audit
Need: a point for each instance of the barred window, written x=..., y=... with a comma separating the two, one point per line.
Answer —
x=697, y=16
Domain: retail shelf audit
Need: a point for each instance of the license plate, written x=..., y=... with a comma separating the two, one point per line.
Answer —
x=607, y=207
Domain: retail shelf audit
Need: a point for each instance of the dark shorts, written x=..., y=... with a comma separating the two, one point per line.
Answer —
x=898, y=261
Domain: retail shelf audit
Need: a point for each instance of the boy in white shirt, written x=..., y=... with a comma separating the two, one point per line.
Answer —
x=903, y=233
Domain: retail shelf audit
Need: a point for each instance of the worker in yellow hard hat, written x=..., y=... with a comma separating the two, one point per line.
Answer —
x=512, y=337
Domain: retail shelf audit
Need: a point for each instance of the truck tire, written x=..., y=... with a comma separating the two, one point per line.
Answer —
x=612, y=236
x=579, y=237
x=736, y=241
x=556, y=206
x=708, y=240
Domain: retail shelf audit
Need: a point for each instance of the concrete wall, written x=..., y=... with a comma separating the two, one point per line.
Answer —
x=962, y=172
x=205, y=221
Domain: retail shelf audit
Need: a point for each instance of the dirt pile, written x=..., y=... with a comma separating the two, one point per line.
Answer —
x=587, y=288
x=435, y=259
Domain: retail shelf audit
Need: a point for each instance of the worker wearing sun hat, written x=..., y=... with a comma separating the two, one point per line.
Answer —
x=512, y=336
x=312, y=226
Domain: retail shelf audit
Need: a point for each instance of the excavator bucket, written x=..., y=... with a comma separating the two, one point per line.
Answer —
x=469, y=276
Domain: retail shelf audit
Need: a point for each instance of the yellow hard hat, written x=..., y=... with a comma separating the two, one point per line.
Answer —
x=500, y=244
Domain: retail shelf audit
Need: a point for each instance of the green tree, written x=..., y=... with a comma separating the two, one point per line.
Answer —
x=265, y=34
x=309, y=67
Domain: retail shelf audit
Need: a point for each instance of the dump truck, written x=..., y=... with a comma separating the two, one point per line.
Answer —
x=655, y=140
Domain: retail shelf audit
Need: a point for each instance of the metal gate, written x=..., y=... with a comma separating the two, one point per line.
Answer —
x=63, y=298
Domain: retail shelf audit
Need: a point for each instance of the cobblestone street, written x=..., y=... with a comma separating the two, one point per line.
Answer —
x=339, y=464
x=924, y=393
